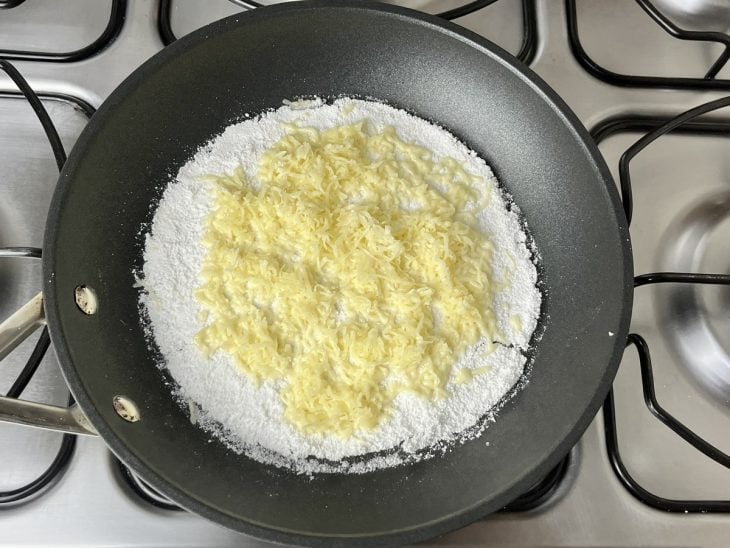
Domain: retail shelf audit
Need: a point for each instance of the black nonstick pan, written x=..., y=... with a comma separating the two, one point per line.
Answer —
x=152, y=124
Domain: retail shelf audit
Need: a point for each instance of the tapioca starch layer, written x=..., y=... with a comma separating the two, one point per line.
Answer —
x=339, y=287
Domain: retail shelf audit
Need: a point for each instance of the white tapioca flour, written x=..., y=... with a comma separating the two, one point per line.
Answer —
x=249, y=418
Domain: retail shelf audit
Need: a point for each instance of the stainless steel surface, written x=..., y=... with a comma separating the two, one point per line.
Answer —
x=28, y=174
x=697, y=14
x=502, y=24
x=697, y=319
x=644, y=47
x=16, y=328
x=670, y=178
x=673, y=178
x=49, y=417
x=68, y=26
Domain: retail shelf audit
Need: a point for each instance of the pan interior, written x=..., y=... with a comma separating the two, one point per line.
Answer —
x=246, y=64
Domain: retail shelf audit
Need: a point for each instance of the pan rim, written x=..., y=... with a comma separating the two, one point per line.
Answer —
x=411, y=534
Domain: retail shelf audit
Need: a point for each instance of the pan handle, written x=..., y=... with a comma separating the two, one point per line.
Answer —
x=17, y=327
x=70, y=420
x=13, y=331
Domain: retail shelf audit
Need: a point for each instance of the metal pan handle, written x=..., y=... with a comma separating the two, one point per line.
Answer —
x=13, y=331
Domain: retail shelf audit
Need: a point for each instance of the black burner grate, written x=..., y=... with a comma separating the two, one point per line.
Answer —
x=708, y=82
x=633, y=486
x=687, y=123
x=529, y=21
x=68, y=443
x=110, y=33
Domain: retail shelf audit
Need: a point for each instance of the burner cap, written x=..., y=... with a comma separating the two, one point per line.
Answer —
x=697, y=315
x=698, y=15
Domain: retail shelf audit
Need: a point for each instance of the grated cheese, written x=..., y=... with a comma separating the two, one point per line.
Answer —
x=248, y=417
x=350, y=270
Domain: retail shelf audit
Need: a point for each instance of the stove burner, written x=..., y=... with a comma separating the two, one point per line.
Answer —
x=59, y=464
x=694, y=322
x=68, y=444
x=529, y=20
x=633, y=486
x=108, y=35
x=684, y=122
x=698, y=14
x=708, y=82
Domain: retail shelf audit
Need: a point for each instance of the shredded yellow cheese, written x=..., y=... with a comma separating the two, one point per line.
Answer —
x=349, y=271
x=465, y=376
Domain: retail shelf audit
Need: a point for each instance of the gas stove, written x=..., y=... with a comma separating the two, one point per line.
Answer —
x=652, y=468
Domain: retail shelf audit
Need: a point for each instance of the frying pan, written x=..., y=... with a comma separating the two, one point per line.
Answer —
x=153, y=123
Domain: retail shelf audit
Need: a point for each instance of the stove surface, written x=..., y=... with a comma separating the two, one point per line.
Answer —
x=681, y=222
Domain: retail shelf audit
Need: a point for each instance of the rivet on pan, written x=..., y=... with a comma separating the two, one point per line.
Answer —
x=126, y=408
x=86, y=299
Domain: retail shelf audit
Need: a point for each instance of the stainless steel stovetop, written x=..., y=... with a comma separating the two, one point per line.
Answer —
x=681, y=189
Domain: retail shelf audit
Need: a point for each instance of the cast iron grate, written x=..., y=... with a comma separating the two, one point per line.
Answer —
x=68, y=443
x=686, y=123
x=709, y=81
x=108, y=35
x=529, y=21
